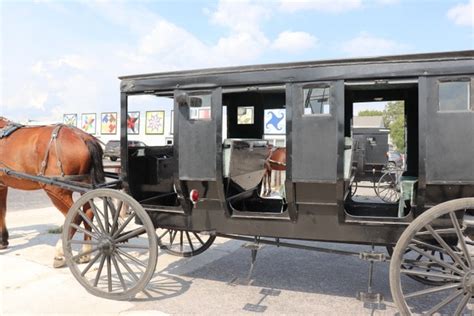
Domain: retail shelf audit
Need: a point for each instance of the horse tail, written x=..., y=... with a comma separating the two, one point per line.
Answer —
x=97, y=167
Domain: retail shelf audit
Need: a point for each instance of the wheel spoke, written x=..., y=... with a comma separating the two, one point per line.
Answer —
x=90, y=264
x=431, y=274
x=87, y=220
x=128, y=220
x=83, y=242
x=446, y=247
x=74, y=258
x=127, y=267
x=172, y=236
x=106, y=214
x=462, y=304
x=82, y=230
x=123, y=253
x=433, y=258
x=116, y=213
x=433, y=290
x=444, y=302
x=96, y=214
x=119, y=273
x=181, y=240
x=163, y=235
x=133, y=246
x=131, y=234
x=198, y=238
x=99, y=271
x=461, y=238
x=190, y=241
x=109, y=274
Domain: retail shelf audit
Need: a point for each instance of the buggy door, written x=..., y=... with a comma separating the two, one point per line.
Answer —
x=315, y=130
x=447, y=119
x=198, y=144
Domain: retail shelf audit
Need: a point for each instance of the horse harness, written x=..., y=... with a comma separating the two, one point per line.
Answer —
x=52, y=141
x=9, y=129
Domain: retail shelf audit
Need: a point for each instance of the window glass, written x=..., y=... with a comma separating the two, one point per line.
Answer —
x=316, y=100
x=454, y=96
x=200, y=107
x=245, y=115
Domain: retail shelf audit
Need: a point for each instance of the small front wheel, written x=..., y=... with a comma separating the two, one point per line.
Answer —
x=183, y=243
x=120, y=253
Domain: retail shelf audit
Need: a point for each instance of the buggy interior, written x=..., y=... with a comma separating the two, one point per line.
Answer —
x=404, y=177
x=247, y=147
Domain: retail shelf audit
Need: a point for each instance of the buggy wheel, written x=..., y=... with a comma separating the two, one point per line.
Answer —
x=441, y=228
x=123, y=251
x=183, y=243
x=426, y=264
x=387, y=187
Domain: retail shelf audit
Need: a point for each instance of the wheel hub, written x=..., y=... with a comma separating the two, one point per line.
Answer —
x=468, y=282
x=106, y=245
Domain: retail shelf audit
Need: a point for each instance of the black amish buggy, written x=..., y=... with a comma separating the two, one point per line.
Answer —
x=209, y=183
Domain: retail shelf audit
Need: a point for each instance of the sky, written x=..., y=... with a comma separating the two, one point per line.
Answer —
x=65, y=56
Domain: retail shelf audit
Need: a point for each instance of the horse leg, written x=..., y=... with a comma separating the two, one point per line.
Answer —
x=63, y=201
x=269, y=182
x=3, y=212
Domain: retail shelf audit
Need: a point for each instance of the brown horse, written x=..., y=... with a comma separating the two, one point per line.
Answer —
x=275, y=161
x=52, y=151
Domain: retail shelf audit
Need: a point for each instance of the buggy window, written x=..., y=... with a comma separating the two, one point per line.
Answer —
x=316, y=100
x=454, y=95
x=200, y=107
x=245, y=115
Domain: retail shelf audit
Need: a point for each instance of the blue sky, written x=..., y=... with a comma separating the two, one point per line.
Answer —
x=65, y=56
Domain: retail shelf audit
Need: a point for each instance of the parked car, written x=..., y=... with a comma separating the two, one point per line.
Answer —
x=112, y=148
x=395, y=159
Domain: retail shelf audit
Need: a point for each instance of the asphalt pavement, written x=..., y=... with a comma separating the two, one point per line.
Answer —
x=285, y=281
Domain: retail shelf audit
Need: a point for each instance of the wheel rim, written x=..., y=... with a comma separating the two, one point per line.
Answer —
x=183, y=243
x=438, y=229
x=387, y=189
x=123, y=253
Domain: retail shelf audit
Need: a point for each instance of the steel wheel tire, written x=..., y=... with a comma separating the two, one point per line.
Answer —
x=183, y=243
x=461, y=286
x=119, y=245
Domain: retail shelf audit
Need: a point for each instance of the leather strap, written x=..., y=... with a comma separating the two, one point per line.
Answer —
x=53, y=139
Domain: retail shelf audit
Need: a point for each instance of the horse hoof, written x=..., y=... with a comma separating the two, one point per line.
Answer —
x=3, y=246
x=84, y=259
x=59, y=262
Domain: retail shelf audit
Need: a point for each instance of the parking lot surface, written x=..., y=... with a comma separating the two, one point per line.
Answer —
x=285, y=281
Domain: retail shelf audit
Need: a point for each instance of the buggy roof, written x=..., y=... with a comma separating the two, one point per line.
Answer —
x=386, y=67
x=425, y=57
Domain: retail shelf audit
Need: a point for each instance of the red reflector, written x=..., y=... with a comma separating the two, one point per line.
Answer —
x=194, y=195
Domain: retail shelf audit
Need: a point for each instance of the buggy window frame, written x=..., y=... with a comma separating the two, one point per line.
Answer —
x=325, y=85
x=470, y=97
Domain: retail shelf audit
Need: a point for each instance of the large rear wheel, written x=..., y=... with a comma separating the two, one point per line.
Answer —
x=447, y=230
x=123, y=251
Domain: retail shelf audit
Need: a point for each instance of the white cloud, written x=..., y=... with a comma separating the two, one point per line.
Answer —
x=294, y=42
x=242, y=16
x=462, y=14
x=331, y=6
x=368, y=45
